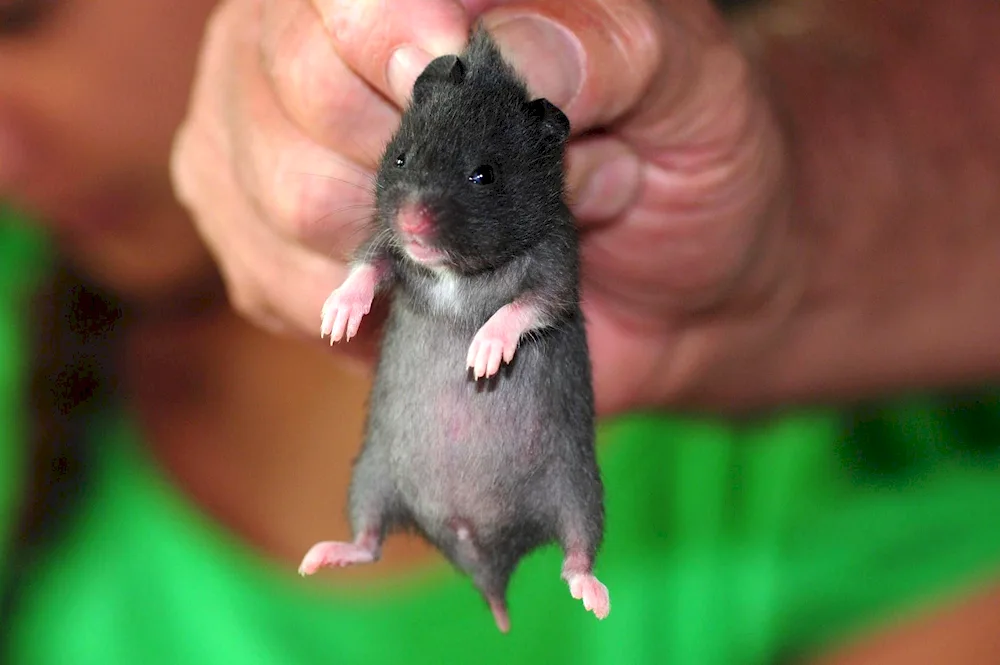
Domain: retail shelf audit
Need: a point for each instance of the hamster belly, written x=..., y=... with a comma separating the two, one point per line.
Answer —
x=464, y=451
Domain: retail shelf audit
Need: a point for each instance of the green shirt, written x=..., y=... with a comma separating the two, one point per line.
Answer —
x=726, y=542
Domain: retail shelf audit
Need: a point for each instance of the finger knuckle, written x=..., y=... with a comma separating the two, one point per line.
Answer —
x=309, y=195
x=310, y=73
x=353, y=23
x=298, y=203
x=640, y=38
x=245, y=296
x=179, y=165
x=193, y=152
x=626, y=49
x=220, y=18
x=184, y=165
x=249, y=301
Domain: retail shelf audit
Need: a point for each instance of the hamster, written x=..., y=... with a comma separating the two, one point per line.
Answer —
x=481, y=428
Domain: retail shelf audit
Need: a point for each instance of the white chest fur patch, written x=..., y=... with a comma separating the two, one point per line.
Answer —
x=446, y=292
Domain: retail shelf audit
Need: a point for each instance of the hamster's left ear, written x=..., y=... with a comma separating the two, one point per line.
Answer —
x=555, y=124
x=443, y=70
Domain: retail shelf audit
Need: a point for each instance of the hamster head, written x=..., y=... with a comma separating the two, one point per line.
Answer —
x=474, y=174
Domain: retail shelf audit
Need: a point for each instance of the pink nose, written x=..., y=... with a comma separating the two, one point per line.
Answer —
x=414, y=220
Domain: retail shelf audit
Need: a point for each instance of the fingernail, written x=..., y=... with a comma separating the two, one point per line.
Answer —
x=546, y=54
x=609, y=190
x=405, y=65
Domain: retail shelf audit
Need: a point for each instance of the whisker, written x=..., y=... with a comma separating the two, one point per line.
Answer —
x=372, y=159
x=358, y=227
x=383, y=238
x=353, y=206
x=328, y=215
x=353, y=229
x=335, y=179
x=349, y=164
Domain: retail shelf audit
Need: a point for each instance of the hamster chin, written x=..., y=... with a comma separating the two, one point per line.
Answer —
x=423, y=253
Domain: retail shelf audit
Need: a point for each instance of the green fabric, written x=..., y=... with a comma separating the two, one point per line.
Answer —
x=726, y=543
x=22, y=260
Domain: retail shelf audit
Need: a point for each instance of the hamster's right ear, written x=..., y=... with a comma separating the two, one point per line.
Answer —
x=555, y=124
x=445, y=69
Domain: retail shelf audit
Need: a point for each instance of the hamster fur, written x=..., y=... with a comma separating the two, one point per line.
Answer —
x=481, y=429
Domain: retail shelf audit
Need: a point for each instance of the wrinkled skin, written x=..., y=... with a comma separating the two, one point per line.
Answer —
x=681, y=200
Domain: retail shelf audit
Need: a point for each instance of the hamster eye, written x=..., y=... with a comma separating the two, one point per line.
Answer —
x=482, y=175
x=401, y=160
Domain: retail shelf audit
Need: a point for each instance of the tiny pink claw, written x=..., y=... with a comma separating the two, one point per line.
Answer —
x=348, y=304
x=496, y=356
x=341, y=322
x=593, y=593
x=353, y=324
x=508, y=352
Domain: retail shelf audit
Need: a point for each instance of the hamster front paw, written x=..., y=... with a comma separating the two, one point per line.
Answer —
x=494, y=343
x=497, y=340
x=348, y=304
x=487, y=352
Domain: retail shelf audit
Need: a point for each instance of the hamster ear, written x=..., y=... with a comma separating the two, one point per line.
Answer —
x=555, y=124
x=445, y=69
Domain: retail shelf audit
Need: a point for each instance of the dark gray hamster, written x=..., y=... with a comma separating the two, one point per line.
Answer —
x=490, y=459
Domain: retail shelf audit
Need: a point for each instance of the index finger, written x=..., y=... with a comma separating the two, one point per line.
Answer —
x=316, y=90
x=389, y=42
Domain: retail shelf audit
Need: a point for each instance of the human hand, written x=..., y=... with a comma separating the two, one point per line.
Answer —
x=275, y=157
x=688, y=265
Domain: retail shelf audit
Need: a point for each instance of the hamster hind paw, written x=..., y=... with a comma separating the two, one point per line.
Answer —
x=594, y=595
x=331, y=554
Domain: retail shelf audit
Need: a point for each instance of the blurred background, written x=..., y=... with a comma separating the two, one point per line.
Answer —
x=164, y=465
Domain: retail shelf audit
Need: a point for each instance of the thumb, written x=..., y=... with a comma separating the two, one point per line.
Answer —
x=388, y=43
x=652, y=69
x=593, y=61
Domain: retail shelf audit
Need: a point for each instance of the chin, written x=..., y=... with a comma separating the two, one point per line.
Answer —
x=155, y=264
x=145, y=281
